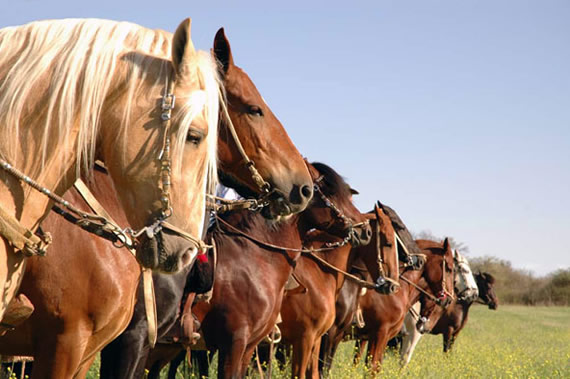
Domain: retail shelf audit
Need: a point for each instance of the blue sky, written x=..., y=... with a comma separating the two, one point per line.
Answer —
x=455, y=113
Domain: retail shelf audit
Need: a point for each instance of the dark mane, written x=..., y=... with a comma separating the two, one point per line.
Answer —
x=401, y=229
x=332, y=184
x=488, y=277
x=250, y=222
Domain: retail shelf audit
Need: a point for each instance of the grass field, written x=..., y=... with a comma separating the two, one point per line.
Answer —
x=512, y=342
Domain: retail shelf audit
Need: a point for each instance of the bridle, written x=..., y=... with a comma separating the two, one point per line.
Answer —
x=102, y=226
x=350, y=226
x=443, y=298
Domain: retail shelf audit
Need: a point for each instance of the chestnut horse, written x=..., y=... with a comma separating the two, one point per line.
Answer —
x=250, y=277
x=308, y=315
x=384, y=315
x=347, y=299
x=72, y=91
x=72, y=321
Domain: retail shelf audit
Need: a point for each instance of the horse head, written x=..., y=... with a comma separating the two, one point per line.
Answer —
x=158, y=140
x=288, y=186
x=485, y=283
x=380, y=255
x=332, y=210
x=464, y=281
x=438, y=279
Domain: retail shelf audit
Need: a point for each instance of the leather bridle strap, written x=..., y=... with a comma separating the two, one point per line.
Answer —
x=148, y=284
x=429, y=295
x=263, y=186
x=353, y=278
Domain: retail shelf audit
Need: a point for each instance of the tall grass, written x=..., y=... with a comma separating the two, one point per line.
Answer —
x=512, y=342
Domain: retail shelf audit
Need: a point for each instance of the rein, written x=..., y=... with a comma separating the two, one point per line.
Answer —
x=444, y=293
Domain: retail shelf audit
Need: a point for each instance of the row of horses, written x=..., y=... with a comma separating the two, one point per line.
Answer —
x=290, y=265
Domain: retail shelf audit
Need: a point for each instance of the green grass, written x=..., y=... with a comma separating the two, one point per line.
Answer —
x=513, y=342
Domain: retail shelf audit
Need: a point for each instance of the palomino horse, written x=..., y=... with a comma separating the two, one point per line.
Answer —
x=416, y=323
x=453, y=319
x=72, y=91
x=347, y=299
x=384, y=315
x=72, y=323
x=308, y=315
x=255, y=259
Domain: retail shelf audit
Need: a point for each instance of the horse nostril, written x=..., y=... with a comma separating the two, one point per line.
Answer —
x=307, y=191
x=186, y=258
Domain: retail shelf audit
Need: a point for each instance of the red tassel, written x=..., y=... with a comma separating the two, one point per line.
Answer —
x=202, y=257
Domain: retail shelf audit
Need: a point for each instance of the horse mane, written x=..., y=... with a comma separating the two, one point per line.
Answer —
x=332, y=183
x=57, y=75
x=401, y=229
x=488, y=277
x=430, y=245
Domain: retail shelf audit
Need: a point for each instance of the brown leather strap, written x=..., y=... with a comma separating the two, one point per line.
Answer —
x=21, y=237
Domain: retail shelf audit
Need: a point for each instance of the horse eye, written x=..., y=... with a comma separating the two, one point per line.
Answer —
x=254, y=110
x=194, y=137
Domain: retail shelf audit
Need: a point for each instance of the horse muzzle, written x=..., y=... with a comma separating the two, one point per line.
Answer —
x=421, y=325
x=416, y=261
x=165, y=252
x=386, y=286
x=361, y=235
x=468, y=295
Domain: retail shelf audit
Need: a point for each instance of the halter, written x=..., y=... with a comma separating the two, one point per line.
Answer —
x=443, y=298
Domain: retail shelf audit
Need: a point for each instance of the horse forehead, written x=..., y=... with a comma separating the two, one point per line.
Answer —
x=239, y=84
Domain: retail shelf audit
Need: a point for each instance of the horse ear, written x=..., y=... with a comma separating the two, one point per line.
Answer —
x=354, y=192
x=315, y=174
x=223, y=51
x=182, y=48
x=445, y=244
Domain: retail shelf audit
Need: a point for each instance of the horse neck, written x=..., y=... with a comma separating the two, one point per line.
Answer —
x=339, y=258
x=284, y=234
x=102, y=188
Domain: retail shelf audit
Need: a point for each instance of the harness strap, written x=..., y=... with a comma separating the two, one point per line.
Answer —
x=263, y=186
x=21, y=237
x=150, y=306
x=357, y=280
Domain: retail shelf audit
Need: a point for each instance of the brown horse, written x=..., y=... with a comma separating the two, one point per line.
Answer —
x=384, y=315
x=456, y=315
x=308, y=315
x=347, y=300
x=75, y=316
x=251, y=273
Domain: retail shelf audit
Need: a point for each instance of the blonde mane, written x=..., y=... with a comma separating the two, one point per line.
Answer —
x=55, y=76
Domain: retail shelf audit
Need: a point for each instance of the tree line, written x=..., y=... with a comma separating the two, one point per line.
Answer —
x=513, y=285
